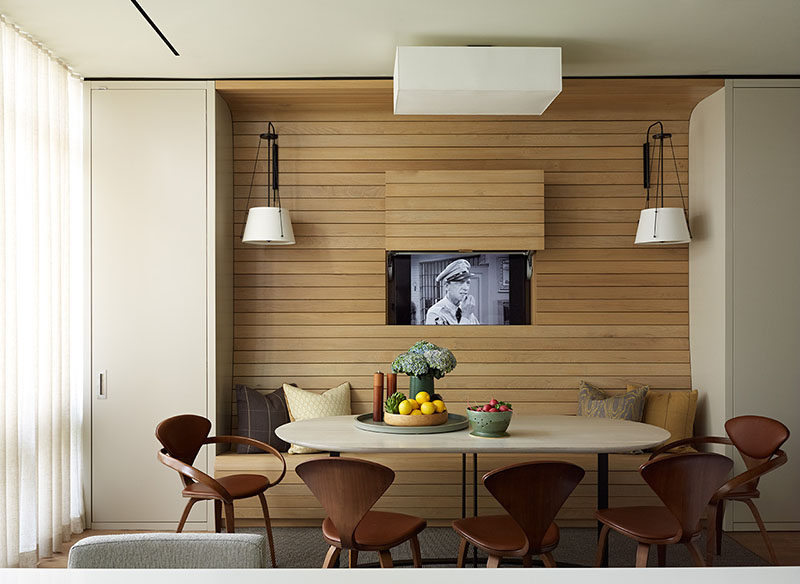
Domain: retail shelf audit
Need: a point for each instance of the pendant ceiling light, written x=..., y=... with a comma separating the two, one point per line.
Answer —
x=659, y=225
x=476, y=80
x=270, y=225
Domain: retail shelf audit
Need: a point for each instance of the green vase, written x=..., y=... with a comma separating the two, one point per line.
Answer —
x=417, y=384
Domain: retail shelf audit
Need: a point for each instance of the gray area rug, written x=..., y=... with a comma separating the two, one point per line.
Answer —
x=303, y=547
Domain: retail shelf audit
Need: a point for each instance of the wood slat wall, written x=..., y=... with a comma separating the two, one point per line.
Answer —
x=435, y=210
x=605, y=311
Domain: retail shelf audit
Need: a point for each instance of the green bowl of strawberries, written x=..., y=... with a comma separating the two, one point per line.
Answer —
x=490, y=420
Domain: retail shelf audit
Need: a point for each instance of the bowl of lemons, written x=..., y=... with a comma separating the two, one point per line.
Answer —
x=423, y=410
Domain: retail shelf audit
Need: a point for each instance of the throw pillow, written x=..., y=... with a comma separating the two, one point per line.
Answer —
x=672, y=410
x=306, y=405
x=595, y=403
x=259, y=415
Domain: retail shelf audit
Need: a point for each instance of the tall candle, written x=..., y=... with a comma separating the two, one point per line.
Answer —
x=377, y=397
x=391, y=383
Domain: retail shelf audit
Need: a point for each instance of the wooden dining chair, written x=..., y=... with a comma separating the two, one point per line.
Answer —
x=758, y=441
x=532, y=493
x=347, y=488
x=182, y=437
x=685, y=483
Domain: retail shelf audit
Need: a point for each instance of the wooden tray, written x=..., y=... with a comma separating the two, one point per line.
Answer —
x=423, y=420
x=454, y=422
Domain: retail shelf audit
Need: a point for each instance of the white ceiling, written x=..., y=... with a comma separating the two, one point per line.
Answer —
x=357, y=38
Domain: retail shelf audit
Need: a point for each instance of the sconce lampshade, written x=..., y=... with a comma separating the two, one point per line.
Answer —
x=268, y=226
x=662, y=226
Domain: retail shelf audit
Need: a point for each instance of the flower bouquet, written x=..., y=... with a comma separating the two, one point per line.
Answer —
x=423, y=362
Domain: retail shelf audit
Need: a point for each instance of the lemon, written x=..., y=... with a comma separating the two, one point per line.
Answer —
x=422, y=397
x=414, y=404
x=440, y=407
x=405, y=407
x=416, y=413
x=427, y=408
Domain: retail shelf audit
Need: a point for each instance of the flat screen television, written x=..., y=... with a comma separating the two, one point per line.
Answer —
x=446, y=288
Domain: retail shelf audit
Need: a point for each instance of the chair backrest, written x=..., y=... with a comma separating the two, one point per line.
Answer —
x=170, y=551
x=183, y=437
x=347, y=488
x=532, y=493
x=756, y=438
x=685, y=483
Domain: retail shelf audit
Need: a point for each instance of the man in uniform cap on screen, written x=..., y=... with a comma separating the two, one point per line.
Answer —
x=451, y=309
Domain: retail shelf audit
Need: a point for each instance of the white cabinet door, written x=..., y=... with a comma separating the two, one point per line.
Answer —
x=149, y=324
x=766, y=283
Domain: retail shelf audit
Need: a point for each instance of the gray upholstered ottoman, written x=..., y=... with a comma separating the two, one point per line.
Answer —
x=170, y=550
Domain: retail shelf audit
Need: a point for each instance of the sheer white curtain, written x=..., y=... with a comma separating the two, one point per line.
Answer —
x=40, y=300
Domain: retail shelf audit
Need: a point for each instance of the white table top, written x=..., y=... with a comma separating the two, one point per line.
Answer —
x=526, y=434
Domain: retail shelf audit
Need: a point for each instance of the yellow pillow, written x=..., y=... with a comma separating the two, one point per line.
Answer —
x=672, y=410
x=306, y=405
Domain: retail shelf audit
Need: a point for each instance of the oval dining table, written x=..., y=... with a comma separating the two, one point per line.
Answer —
x=526, y=434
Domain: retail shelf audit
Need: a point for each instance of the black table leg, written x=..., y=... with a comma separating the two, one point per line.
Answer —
x=463, y=485
x=474, y=501
x=602, y=496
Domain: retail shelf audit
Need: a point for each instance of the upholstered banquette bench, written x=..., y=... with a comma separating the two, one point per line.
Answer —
x=429, y=485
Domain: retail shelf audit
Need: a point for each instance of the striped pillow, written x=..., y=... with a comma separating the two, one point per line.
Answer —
x=259, y=415
x=595, y=403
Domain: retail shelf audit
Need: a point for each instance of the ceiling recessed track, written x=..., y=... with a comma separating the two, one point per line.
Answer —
x=155, y=28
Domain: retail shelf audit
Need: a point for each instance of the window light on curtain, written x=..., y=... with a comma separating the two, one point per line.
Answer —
x=41, y=299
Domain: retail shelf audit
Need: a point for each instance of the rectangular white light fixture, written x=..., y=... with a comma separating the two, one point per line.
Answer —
x=476, y=80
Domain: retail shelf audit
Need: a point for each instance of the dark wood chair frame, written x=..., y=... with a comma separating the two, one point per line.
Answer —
x=532, y=493
x=347, y=494
x=756, y=468
x=680, y=504
x=221, y=497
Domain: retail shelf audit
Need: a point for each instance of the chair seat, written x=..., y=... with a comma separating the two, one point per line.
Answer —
x=500, y=533
x=649, y=524
x=378, y=530
x=240, y=486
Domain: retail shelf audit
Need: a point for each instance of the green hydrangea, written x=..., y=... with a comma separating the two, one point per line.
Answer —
x=425, y=358
x=410, y=364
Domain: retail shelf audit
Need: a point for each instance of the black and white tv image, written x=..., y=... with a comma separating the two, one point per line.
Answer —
x=477, y=288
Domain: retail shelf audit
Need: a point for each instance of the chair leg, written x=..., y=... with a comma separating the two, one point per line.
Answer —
x=230, y=525
x=527, y=561
x=352, y=558
x=697, y=557
x=385, y=559
x=720, y=515
x=662, y=556
x=462, y=553
x=493, y=561
x=641, y=554
x=712, y=532
x=757, y=516
x=185, y=515
x=601, y=543
x=217, y=515
x=331, y=557
x=548, y=560
x=268, y=525
x=416, y=555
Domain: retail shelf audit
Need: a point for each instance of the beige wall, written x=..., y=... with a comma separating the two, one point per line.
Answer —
x=707, y=262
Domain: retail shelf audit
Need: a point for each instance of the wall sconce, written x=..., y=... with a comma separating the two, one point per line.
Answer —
x=270, y=225
x=660, y=225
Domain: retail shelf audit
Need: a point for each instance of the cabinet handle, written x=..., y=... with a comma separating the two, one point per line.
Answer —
x=101, y=385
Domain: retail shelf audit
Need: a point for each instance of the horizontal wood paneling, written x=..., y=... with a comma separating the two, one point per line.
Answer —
x=605, y=311
x=432, y=210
